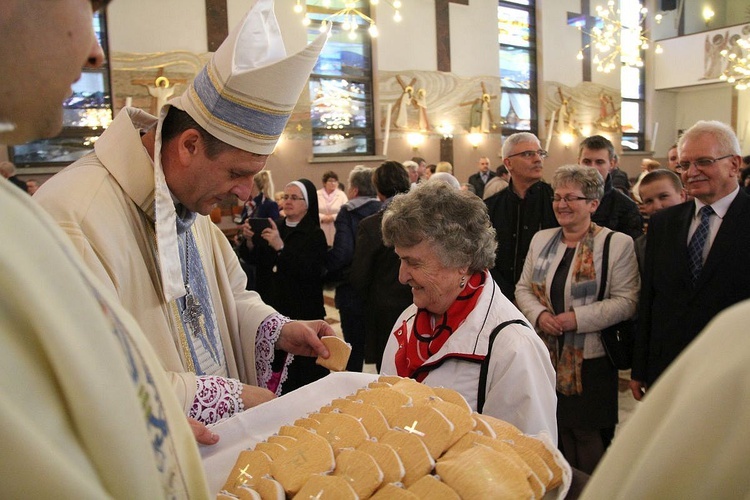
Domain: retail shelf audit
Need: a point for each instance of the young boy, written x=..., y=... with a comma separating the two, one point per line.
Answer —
x=659, y=189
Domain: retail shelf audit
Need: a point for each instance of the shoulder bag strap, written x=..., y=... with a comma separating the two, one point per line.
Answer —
x=486, y=362
x=605, y=265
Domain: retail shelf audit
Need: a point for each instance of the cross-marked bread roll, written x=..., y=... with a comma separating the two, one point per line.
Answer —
x=339, y=352
x=250, y=466
x=429, y=424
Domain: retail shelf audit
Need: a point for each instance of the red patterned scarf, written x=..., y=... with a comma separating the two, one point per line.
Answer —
x=429, y=335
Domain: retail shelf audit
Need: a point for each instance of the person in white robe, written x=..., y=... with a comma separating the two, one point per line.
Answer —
x=86, y=407
x=137, y=211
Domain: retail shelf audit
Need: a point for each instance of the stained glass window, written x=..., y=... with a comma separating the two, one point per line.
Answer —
x=341, y=84
x=517, y=52
x=632, y=80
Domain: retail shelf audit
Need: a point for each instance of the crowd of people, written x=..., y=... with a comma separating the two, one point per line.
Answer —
x=127, y=322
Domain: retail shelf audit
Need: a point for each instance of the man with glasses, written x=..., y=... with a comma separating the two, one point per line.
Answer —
x=520, y=210
x=697, y=259
x=616, y=210
x=480, y=179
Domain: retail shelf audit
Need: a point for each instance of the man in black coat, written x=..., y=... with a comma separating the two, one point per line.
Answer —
x=520, y=210
x=375, y=267
x=685, y=284
x=616, y=210
x=482, y=177
x=362, y=204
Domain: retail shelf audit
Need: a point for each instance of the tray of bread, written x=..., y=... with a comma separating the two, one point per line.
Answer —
x=353, y=435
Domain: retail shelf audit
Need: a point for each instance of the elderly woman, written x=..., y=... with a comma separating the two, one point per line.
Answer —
x=330, y=200
x=558, y=292
x=461, y=332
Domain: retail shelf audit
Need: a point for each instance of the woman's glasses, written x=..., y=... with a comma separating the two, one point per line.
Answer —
x=292, y=197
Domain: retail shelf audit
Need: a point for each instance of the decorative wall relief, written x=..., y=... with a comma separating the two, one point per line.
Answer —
x=147, y=81
x=438, y=98
x=573, y=113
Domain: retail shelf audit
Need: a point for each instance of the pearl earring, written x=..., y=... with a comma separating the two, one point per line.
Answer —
x=463, y=282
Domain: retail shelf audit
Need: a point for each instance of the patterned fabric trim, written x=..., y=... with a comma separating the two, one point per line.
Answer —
x=216, y=398
x=265, y=341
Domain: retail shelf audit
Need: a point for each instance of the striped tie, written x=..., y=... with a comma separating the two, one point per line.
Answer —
x=698, y=241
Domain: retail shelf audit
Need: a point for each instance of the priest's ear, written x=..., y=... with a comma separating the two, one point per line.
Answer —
x=189, y=145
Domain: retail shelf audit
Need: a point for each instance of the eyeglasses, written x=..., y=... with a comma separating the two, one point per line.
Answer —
x=530, y=154
x=292, y=197
x=568, y=199
x=700, y=163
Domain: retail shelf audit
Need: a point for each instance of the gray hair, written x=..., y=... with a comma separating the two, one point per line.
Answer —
x=721, y=132
x=455, y=222
x=411, y=166
x=588, y=179
x=516, y=138
x=361, y=178
x=446, y=178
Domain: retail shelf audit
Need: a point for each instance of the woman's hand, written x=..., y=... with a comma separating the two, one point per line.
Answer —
x=272, y=236
x=549, y=324
x=247, y=233
x=567, y=321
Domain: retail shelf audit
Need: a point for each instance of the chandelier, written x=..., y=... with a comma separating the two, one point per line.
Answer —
x=737, y=70
x=349, y=16
x=611, y=38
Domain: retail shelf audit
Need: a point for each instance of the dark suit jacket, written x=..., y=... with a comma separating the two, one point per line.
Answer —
x=374, y=275
x=618, y=212
x=476, y=181
x=673, y=311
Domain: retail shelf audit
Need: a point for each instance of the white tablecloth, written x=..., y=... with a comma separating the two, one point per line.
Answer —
x=244, y=430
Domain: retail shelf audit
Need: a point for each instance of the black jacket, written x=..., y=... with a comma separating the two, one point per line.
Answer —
x=618, y=212
x=516, y=221
x=374, y=274
x=476, y=181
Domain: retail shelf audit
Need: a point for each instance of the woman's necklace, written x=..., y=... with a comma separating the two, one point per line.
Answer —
x=193, y=311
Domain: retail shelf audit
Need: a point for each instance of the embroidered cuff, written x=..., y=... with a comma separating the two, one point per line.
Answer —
x=265, y=342
x=216, y=398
